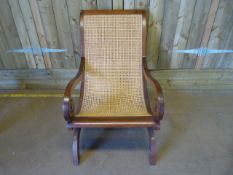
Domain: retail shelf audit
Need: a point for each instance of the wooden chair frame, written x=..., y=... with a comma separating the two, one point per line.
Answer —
x=76, y=123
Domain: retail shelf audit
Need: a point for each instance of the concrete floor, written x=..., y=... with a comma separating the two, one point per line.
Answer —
x=196, y=138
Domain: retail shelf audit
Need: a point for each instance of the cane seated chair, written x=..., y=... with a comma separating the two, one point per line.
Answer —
x=113, y=75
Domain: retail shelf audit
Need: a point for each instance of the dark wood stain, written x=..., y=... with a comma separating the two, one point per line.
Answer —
x=75, y=123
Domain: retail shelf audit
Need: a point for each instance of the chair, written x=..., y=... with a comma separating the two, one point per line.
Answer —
x=113, y=77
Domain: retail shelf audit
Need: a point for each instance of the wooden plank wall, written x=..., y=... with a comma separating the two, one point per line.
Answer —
x=57, y=79
x=172, y=24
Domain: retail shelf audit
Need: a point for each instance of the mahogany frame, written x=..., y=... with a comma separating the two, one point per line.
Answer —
x=76, y=123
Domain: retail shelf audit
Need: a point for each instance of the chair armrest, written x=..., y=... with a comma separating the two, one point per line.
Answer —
x=67, y=106
x=156, y=87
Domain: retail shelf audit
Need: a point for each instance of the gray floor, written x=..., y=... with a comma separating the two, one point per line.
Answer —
x=196, y=137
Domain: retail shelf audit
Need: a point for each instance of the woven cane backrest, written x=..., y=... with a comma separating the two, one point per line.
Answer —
x=113, y=84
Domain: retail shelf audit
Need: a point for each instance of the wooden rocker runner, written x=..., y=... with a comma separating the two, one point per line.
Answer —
x=113, y=75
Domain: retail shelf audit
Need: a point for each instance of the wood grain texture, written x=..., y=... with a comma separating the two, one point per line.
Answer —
x=21, y=29
x=117, y=4
x=197, y=30
x=32, y=32
x=74, y=8
x=12, y=37
x=1, y=63
x=141, y=4
x=64, y=32
x=220, y=36
x=182, y=31
x=192, y=79
x=50, y=31
x=6, y=59
x=89, y=4
x=172, y=25
x=169, y=79
x=156, y=10
x=208, y=27
x=168, y=33
x=227, y=59
x=128, y=4
x=40, y=31
x=104, y=4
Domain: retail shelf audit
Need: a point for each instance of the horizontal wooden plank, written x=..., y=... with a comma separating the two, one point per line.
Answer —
x=169, y=79
x=33, y=84
x=11, y=84
x=189, y=74
x=66, y=74
x=35, y=93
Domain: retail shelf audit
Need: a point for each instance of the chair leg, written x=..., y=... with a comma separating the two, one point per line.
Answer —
x=75, y=146
x=152, y=147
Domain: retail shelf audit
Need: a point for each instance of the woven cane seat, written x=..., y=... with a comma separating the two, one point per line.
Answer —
x=113, y=84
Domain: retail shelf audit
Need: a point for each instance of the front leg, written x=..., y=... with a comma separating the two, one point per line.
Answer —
x=152, y=146
x=75, y=146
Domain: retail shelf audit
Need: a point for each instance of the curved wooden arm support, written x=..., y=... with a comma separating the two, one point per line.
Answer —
x=68, y=106
x=159, y=112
